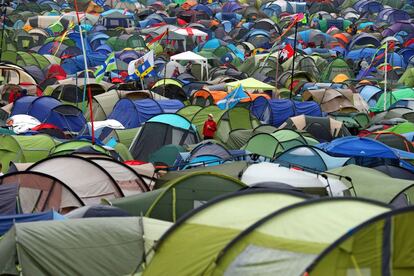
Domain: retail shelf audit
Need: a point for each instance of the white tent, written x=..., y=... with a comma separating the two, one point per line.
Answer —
x=271, y=172
x=190, y=56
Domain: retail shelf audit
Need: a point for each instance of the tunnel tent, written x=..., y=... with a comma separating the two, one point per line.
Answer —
x=24, y=149
x=379, y=244
x=39, y=192
x=189, y=111
x=90, y=251
x=66, y=93
x=90, y=182
x=69, y=147
x=270, y=145
x=282, y=243
x=14, y=74
x=216, y=222
x=132, y=114
x=373, y=184
x=232, y=169
x=239, y=137
x=179, y=196
x=127, y=179
x=310, y=157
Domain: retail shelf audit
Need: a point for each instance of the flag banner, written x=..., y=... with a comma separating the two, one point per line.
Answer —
x=142, y=67
x=99, y=73
x=110, y=63
x=286, y=53
x=233, y=98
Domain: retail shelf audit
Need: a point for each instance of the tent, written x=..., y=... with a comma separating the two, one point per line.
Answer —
x=392, y=97
x=322, y=128
x=306, y=182
x=162, y=130
x=127, y=179
x=239, y=137
x=309, y=157
x=132, y=114
x=270, y=145
x=393, y=140
x=177, y=197
x=386, y=238
x=216, y=224
x=92, y=250
x=251, y=84
x=24, y=149
x=193, y=57
x=276, y=111
x=90, y=183
x=291, y=246
x=373, y=184
x=7, y=222
x=38, y=192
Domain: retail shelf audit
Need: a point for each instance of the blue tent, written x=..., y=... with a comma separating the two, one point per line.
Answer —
x=49, y=110
x=352, y=146
x=7, y=222
x=370, y=94
x=133, y=114
x=276, y=111
x=370, y=6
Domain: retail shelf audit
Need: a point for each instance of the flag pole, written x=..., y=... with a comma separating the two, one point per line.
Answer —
x=166, y=62
x=86, y=79
x=3, y=28
x=385, y=76
x=293, y=60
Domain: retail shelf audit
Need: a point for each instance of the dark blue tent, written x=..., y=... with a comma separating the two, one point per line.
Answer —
x=133, y=114
x=276, y=112
x=7, y=222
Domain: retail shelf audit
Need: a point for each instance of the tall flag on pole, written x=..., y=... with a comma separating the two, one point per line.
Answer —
x=142, y=67
x=109, y=65
x=233, y=98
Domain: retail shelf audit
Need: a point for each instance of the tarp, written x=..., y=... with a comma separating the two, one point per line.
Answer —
x=7, y=222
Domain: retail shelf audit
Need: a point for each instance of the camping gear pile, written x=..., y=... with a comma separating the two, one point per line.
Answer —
x=105, y=168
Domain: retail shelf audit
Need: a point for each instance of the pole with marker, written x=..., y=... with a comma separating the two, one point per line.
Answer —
x=86, y=79
x=294, y=56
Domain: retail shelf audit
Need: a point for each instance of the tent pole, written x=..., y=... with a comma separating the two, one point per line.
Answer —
x=385, y=76
x=293, y=60
x=277, y=76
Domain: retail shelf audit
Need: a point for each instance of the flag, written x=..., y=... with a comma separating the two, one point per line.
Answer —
x=99, y=73
x=286, y=53
x=100, y=2
x=233, y=98
x=143, y=66
x=110, y=63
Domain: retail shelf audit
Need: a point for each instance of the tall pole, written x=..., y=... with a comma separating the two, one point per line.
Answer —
x=3, y=28
x=86, y=79
x=385, y=76
x=293, y=60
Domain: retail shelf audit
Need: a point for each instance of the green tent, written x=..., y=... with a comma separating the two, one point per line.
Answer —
x=381, y=246
x=227, y=120
x=270, y=145
x=179, y=196
x=24, y=149
x=250, y=84
x=392, y=97
x=336, y=67
x=210, y=229
x=401, y=128
x=167, y=155
x=88, y=246
x=288, y=240
x=239, y=137
x=373, y=184
x=407, y=79
x=71, y=146
x=102, y=105
x=232, y=169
